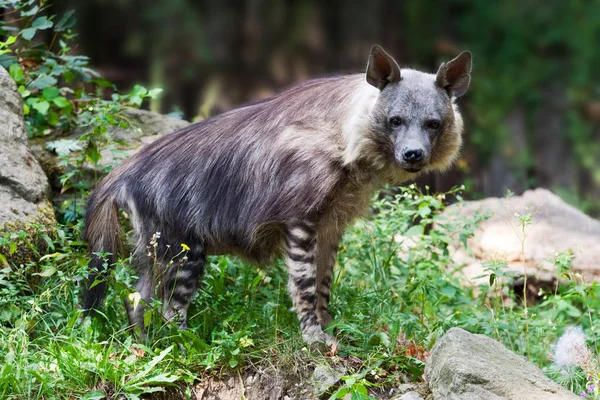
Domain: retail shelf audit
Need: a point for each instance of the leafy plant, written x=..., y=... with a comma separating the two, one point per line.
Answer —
x=60, y=93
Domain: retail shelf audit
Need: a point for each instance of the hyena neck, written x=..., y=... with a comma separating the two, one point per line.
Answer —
x=357, y=124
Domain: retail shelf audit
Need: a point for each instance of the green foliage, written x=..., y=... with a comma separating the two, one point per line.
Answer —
x=524, y=49
x=356, y=386
x=61, y=93
x=399, y=260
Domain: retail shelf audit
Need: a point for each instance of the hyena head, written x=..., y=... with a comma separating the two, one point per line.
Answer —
x=414, y=119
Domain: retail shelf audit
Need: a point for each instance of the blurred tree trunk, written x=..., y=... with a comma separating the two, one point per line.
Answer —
x=554, y=166
x=503, y=171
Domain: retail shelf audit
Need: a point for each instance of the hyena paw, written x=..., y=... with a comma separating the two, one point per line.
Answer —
x=177, y=317
x=314, y=334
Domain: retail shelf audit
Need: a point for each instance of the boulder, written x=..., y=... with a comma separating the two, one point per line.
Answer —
x=555, y=227
x=143, y=127
x=325, y=377
x=411, y=391
x=24, y=189
x=464, y=366
x=410, y=396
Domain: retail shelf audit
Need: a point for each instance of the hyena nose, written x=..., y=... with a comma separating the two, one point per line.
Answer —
x=412, y=155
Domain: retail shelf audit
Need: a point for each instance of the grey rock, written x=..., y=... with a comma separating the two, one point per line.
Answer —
x=555, y=227
x=410, y=396
x=325, y=377
x=19, y=171
x=144, y=128
x=410, y=391
x=464, y=366
x=24, y=188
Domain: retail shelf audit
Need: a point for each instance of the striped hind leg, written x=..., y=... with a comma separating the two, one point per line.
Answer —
x=181, y=280
x=327, y=256
x=301, y=249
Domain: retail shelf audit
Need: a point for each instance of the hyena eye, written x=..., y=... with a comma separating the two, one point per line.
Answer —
x=396, y=121
x=433, y=124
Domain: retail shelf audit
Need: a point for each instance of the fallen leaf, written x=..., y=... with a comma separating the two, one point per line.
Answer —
x=139, y=353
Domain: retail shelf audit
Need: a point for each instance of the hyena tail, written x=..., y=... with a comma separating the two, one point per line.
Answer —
x=103, y=234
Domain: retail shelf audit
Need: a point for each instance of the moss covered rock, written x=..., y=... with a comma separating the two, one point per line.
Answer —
x=25, y=212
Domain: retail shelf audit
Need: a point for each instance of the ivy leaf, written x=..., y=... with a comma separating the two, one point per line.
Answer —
x=137, y=95
x=50, y=93
x=64, y=146
x=93, y=154
x=28, y=33
x=61, y=102
x=66, y=22
x=41, y=106
x=42, y=23
x=24, y=92
x=16, y=72
x=43, y=81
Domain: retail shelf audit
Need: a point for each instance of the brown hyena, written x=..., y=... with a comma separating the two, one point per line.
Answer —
x=284, y=175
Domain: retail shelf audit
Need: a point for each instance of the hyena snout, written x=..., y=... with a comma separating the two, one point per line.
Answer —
x=412, y=158
x=412, y=155
x=412, y=151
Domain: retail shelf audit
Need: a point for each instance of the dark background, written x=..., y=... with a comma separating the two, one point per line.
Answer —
x=532, y=112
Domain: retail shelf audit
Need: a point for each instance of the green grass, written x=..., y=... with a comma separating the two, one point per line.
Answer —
x=393, y=297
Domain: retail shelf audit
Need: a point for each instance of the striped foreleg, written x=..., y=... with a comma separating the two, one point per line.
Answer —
x=325, y=263
x=301, y=249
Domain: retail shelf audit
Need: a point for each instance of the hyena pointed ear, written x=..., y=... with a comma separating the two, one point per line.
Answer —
x=382, y=68
x=455, y=75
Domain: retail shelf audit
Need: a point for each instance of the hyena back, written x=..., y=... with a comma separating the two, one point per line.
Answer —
x=285, y=175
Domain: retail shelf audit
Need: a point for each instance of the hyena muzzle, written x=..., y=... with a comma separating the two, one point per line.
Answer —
x=282, y=176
